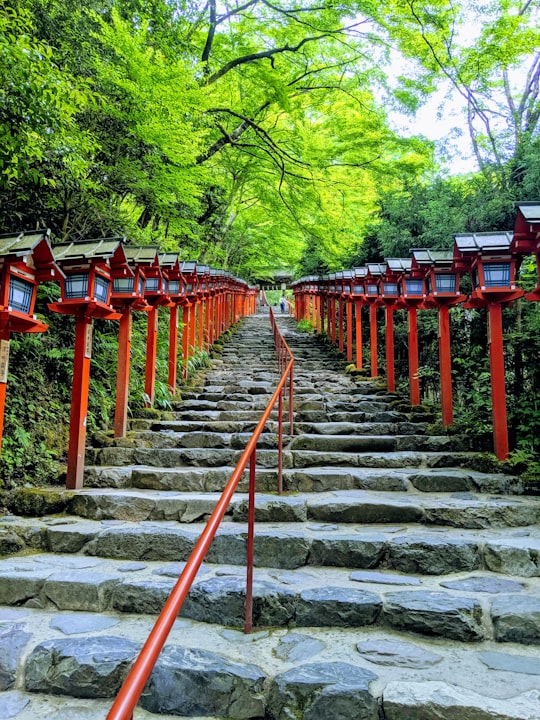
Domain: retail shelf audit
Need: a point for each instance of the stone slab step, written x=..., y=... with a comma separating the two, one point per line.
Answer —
x=360, y=428
x=411, y=548
x=322, y=479
x=465, y=607
x=465, y=510
x=216, y=457
x=192, y=439
x=378, y=443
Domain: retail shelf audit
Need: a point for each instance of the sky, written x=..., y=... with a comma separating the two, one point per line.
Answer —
x=442, y=119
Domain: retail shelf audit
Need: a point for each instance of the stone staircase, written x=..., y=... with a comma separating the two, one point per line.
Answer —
x=395, y=580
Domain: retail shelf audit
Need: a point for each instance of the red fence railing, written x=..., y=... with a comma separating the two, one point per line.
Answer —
x=124, y=705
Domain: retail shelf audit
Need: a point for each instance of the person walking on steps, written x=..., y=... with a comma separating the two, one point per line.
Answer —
x=283, y=303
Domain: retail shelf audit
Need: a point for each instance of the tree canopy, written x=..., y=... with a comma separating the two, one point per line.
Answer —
x=254, y=135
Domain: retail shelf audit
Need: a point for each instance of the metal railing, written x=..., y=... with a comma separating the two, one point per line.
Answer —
x=124, y=705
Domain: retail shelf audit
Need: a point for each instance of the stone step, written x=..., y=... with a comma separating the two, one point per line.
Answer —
x=69, y=671
x=464, y=607
x=464, y=510
x=409, y=547
x=315, y=479
x=216, y=457
x=378, y=443
x=193, y=439
x=360, y=428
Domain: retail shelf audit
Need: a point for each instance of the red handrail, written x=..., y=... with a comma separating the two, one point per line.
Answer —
x=127, y=698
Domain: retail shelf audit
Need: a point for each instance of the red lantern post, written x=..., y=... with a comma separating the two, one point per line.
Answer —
x=25, y=260
x=411, y=293
x=442, y=292
x=190, y=289
x=89, y=268
x=127, y=295
x=373, y=275
x=492, y=265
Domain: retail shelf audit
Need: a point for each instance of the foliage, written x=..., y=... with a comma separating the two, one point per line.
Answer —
x=304, y=326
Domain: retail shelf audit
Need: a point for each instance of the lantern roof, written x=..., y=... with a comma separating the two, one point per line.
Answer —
x=360, y=272
x=484, y=242
x=169, y=260
x=376, y=268
x=23, y=243
x=189, y=267
x=424, y=256
x=37, y=244
x=97, y=249
x=530, y=210
x=399, y=265
x=143, y=254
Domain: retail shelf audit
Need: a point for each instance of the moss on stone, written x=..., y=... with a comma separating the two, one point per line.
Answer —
x=147, y=413
x=37, y=501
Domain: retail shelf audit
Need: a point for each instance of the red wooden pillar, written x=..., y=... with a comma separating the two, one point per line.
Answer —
x=318, y=313
x=186, y=319
x=4, y=338
x=414, y=380
x=445, y=365
x=122, y=376
x=333, y=319
x=151, y=353
x=192, y=327
x=498, y=389
x=349, y=331
x=209, y=336
x=390, y=370
x=200, y=325
x=173, y=349
x=358, y=333
x=341, y=340
x=79, y=402
x=373, y=339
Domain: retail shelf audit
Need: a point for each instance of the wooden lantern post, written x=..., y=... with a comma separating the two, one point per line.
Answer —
x=373, y=275
x=25, y=259
x=89, y=268
x=389, y=294
x=358, y=297
x=170, y=266
x=127, y=296
x=189, y=273
x=442, y=292
x=411, y=294
x=492, y=265
x=155, y=295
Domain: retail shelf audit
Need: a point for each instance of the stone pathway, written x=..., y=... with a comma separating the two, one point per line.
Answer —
x=394, y=580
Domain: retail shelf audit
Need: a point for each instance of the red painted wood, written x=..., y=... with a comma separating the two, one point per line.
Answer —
x=390, y=360
x=122, y=376
x=186, y=312
x=333, y=319
x=445, y=365
x=358, y=332
x=373, y=339
x=79, y=402
x=4, y=335
x=173, y=349
x=349, y=331
x=200, y=325
x=151, y=354
x=192, y=327
x=341, y=338
x=498, y=389
x=414, y=380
